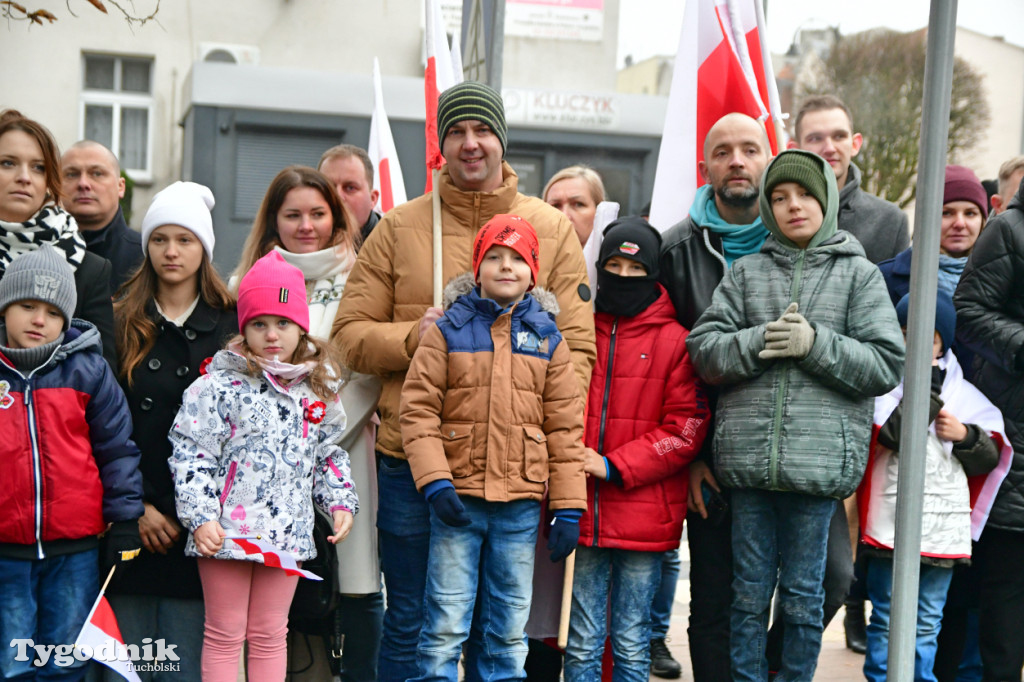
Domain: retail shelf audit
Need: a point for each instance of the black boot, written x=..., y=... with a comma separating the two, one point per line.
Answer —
x=662, y=663
x=853, y=623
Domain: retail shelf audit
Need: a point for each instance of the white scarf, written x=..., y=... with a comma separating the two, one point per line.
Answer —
x=325, y=272
x=51, y=225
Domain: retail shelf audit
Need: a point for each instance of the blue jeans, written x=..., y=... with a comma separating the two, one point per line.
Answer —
x=176, y=621
x=47, y=601
x=778, y=537
x=631, y=578
x=665, y=596
x=495, y=553
x=931, y=597
x=403, y=519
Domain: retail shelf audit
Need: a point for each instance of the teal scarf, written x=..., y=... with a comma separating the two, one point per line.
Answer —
x=950, y=270
x=737, y=240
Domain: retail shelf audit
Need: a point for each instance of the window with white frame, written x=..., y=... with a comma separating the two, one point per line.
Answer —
x=117, y=109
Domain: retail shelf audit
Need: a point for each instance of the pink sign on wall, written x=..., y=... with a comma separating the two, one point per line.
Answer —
x=563, y=19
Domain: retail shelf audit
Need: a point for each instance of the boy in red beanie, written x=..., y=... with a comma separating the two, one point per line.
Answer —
x=491, y=415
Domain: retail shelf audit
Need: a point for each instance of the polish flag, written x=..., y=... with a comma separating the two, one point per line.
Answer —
x=439, y=76
x=722, y=66
x=102, y=635
x=387, y=171
x=272, y=556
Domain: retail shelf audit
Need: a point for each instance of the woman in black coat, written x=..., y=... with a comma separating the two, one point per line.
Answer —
x=30, y=191
x=172, y=315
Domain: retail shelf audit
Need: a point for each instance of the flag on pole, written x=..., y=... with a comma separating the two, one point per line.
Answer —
x=102, y=635
x=722, y=66
x=272, y=556
x=438, y=77
x=387, y=171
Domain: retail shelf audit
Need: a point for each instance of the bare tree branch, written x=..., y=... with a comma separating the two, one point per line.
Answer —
x=13, y=11
x=880, y=76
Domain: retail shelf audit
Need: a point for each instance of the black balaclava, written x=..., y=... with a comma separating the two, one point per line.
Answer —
x=635, y=239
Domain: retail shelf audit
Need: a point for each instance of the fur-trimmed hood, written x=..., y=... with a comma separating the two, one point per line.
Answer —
x=463, y=284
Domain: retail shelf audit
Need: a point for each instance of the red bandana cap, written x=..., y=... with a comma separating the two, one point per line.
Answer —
x=273, y=287
x=511, y=231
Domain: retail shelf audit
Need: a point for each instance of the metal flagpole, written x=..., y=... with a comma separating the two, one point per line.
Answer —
x=938, y=88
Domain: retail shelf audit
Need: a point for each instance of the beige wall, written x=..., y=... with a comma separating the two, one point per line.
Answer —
x=1002, y=66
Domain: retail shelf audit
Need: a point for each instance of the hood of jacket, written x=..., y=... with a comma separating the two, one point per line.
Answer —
x=80, y=336
x=830, y=223
x=464, y=284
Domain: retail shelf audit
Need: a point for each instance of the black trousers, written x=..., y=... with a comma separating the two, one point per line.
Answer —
x=1002, y=604
x=710, y=596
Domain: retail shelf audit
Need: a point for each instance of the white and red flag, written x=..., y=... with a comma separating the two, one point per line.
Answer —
x=272, y=556
x=387, y=171
x=102, y=635
x=438, y=77
x=722, y=66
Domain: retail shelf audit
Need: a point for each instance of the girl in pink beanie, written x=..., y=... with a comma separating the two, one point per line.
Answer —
x=254, y=442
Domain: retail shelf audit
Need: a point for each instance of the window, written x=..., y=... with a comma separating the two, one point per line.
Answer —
x=117, y=109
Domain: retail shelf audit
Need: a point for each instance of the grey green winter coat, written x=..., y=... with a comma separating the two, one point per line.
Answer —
x=799, y=425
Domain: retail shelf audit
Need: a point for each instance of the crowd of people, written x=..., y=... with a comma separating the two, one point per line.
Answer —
x=588, y=384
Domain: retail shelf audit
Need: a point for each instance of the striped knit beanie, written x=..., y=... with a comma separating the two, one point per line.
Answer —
x=471, y=101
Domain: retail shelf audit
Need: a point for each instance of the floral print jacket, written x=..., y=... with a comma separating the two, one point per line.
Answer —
x=252, y=453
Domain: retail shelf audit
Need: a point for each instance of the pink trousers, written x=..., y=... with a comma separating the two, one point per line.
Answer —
x=245, y=601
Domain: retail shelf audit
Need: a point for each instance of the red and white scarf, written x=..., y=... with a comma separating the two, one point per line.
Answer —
x=947, y=525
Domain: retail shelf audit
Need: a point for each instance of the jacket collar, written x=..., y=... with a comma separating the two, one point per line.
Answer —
x=463, y=302
x=486, y=203
x=203, y=319
x=106, y=235
x=851, y=187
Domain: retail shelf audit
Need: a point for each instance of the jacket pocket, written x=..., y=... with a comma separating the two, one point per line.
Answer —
x=458, y=447
x=535, y=454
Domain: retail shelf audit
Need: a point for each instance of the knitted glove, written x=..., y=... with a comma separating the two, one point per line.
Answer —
x=790, y=336
x=565, y=535
x=449, y=508
x=123, y=543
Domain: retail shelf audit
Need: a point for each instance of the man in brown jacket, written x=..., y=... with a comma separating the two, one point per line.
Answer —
x=386, y=310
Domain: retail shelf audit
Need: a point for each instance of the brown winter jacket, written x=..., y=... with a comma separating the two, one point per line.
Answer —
x=390, y=286
x=490, y=402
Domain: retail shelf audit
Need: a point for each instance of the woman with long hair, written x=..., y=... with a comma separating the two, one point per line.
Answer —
x=303, y=219
x=30, y=216
x=173, y=314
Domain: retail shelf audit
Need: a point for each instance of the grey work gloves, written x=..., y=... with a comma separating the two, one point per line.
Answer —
x=790, y=336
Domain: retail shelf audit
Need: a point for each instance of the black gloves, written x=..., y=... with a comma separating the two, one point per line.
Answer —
x=123, y=543
x=449, y=508
x=565, y=535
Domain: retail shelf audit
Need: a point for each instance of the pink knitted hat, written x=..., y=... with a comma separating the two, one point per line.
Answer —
x=273, y=287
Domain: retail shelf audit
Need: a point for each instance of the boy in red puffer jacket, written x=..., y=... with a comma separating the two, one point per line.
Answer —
x=647, y=417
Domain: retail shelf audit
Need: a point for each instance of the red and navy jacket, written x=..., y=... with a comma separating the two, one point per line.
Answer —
x=68, y=465
x=647, y=414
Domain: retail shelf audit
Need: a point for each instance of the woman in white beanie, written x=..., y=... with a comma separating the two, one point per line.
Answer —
x=303, y=219
x=172, y=315
x=30, y=216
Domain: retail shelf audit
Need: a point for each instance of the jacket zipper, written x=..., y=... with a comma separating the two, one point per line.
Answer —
x=33, y=437
x=773, y=457
x=604, y=417
x=37, y=469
